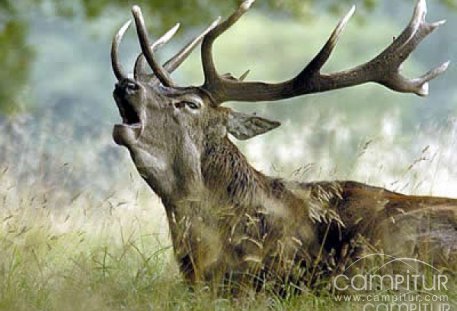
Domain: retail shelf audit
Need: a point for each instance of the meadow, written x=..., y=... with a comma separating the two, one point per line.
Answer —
x=64, y=246
x=90, y=255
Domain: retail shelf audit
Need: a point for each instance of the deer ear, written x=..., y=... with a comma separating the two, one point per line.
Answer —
x=244, y=126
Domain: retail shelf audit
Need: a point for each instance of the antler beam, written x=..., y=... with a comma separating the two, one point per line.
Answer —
x=383, y=69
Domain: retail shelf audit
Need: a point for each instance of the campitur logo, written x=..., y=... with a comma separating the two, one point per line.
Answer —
x=395, y=283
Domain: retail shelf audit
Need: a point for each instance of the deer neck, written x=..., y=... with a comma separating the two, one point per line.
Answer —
x=174, y=178
x=228, y=175
x=221, y=177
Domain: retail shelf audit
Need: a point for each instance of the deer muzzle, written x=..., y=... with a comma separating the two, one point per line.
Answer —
x=131, y=128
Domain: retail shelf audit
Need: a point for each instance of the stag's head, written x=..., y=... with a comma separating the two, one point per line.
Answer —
x=165, y=126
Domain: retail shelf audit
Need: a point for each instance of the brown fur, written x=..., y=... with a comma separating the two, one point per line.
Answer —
x=233, y=227
x=254, y=244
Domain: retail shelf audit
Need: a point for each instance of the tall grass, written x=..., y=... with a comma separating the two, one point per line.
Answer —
x=76, y=236
x=96, y=255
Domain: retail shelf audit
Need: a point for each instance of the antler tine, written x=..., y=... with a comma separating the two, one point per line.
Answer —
x=209, y=68
x=176, y=60
x=383, y=69
x=321, y=58
x=158, y=70
x=119, y=72
x=139, y=69
x=402, y=47
x=182, y=55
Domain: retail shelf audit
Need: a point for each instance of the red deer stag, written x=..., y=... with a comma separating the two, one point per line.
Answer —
x=232, y=225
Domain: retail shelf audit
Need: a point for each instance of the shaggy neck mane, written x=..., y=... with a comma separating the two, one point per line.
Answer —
x=227, y=173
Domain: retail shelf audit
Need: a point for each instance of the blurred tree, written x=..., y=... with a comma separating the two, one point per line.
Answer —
x=15, y=61
x=190, y=12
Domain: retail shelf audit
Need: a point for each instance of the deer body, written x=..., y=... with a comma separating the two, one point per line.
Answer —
x=265, y=231
x=231, y=224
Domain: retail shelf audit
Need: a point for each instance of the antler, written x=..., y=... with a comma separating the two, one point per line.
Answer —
x=139, y=69
x=383, y=69
x=160, y=73
x=175, y=61
x=148, y=52
x=119, y=72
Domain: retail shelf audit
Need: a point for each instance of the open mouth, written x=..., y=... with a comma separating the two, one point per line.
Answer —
x=130, y=115
x=132, y=127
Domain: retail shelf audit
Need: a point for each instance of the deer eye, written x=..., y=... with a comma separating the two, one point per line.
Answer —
x=132, y=85
x=191, y=105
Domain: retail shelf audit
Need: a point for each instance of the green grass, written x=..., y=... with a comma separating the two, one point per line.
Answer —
x=102, y=267
x=59, y=252
x=77, y=252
